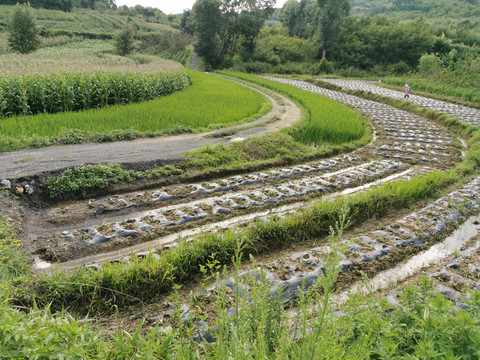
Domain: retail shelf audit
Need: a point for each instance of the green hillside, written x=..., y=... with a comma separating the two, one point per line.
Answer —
x=86, y=23
x=411, y=9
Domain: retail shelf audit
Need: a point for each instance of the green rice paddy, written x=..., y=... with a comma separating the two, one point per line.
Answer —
x=210, y=102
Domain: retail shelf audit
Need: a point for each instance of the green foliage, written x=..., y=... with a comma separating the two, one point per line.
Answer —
x=207, y=22
x=13, y=263
x=273, y=43
x=23, y=30
x=80, y=180
x=332, y=17
x=366, y=42
x=428, y=9
x=209, y=103
x=74, y=91
x=429, y=64
x=323, y=67
x=300, y=18
x=38, y=334
x=218, y=24
x=124, y=40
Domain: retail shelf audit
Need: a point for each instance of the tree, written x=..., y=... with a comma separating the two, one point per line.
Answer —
x=24, y=33
x=124, y=40
x=207, y=19
x=332, y=17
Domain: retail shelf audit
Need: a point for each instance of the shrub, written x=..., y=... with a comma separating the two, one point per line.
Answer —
x=322, y=67
x=24, y=33
x=124, y=40
x=429, y=64
x=400, y=68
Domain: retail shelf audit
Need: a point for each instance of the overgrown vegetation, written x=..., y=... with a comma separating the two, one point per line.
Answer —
x=234, y=103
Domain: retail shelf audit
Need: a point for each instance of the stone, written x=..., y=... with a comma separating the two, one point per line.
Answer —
x=29, y=190
x=19, y=190
x=6, y=184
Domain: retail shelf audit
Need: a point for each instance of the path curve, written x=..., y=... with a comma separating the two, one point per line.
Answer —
x=24, y=163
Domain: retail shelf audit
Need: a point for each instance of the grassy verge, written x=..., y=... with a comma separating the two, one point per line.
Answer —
x=209, y=103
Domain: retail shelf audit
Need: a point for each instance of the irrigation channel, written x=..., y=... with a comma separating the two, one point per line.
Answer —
x=112, y=228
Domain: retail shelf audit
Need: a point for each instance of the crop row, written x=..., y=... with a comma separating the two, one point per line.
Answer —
x=72, y=91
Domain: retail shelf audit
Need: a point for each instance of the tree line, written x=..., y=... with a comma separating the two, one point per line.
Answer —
x=312, y=36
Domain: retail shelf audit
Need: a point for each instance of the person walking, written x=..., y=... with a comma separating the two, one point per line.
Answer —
x=407, y=91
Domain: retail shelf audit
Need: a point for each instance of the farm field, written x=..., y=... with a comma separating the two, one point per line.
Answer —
x=137, y=245
x=152, y=118
x=153, y=212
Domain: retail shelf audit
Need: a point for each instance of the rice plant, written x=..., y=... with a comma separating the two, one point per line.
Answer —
x=327, y=120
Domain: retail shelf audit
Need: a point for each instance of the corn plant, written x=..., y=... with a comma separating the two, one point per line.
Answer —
x=74, y=91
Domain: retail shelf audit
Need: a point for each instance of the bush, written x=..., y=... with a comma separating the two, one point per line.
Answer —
x=322, y=67
x=429, y=64
x=24, y=33
x=123, y=40
x=400, y=68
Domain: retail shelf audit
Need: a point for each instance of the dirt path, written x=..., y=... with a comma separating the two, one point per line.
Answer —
x=23, y=163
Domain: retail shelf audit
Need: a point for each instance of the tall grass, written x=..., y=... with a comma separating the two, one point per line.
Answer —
x=209, y=102
x=53, y=93
x=328, y=121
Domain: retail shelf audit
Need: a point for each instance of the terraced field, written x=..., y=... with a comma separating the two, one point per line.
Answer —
x=131, y=227
x=113, y=227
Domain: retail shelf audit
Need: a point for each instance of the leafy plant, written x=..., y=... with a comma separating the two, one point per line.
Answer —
x=24, y=33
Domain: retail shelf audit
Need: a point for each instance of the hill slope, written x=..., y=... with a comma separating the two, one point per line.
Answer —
x=410, y=9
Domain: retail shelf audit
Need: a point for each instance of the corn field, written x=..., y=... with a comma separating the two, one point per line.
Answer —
x=74, y=91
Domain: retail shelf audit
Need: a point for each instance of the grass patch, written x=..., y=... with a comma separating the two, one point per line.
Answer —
x=210, y=102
